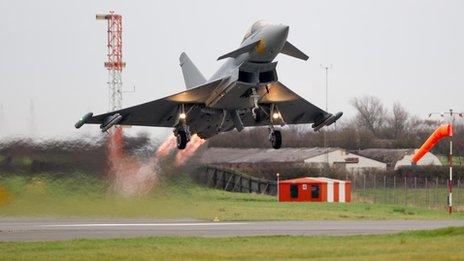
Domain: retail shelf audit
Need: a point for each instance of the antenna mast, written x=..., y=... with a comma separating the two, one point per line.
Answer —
x=114, y=64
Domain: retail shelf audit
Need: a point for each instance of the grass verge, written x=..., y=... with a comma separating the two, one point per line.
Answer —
x=442, y=244
x=84, y=196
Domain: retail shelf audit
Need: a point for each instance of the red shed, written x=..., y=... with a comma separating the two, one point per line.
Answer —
x=314, y=190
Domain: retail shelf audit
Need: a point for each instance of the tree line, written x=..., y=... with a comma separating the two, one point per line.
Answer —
x=373, y=126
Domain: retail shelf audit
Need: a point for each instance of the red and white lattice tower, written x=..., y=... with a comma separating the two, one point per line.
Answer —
x=114, y=64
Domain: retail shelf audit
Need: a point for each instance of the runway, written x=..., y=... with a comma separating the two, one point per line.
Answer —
x=62, y=229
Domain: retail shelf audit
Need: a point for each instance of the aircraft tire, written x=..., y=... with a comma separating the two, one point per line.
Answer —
x=181, y=140
x=276, y=139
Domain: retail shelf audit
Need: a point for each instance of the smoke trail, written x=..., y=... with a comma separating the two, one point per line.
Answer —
x=131, y=176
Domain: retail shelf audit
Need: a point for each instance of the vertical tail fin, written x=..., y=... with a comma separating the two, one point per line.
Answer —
x=192, y=76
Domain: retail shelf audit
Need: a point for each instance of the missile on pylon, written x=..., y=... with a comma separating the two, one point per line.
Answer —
x=328, y=121
x=83, y=120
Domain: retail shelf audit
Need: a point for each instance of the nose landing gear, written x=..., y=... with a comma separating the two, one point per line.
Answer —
x=256, y=114
x=275, y=137
x=182, y=131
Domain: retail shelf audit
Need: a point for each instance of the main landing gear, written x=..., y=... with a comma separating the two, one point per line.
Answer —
x=182, y=139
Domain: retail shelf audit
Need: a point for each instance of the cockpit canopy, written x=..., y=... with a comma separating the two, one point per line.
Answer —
x=255, y=27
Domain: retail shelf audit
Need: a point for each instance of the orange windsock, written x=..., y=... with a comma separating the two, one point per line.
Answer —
x=445, y=130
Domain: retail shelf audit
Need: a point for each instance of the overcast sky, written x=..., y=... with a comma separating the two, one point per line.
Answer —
x=52, y=54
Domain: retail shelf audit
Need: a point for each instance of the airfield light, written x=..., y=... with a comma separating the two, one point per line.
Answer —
x=182, y=116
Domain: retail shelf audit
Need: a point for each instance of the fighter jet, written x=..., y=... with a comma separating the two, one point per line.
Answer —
x=244, y=92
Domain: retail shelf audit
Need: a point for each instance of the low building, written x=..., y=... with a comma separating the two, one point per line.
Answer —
x=315, y=157
x=314, y=190
x=346, y=160
x=397, y=158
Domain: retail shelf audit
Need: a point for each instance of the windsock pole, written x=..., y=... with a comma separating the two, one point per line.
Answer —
x=452, y=115
x=445, y=130
x=450, y=181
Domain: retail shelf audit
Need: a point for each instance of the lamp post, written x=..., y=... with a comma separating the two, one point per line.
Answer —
x=451, y=115
x=326, y=67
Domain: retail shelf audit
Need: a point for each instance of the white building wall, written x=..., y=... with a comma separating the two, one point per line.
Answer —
x=340, y=156
x=341, y=191
x=428, y=159
x=330, y=191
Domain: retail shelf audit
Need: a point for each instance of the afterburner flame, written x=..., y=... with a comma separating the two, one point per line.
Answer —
x=184, y=155
x=167, y=147
x=133, y=177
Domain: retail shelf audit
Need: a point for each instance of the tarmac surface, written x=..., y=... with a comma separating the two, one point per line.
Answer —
x=25, y=229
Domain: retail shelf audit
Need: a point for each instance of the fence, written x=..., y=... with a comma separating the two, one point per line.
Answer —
x=409, y=191
x=366, y=188
x=235, y=181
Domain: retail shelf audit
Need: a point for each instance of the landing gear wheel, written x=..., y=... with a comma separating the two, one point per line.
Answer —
x=276, y=139
x=181, y=140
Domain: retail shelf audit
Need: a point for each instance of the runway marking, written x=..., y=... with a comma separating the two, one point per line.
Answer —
x=141, y=224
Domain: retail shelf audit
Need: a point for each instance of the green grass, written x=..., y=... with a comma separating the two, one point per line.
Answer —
x=457, y=160
x=22, y=161
x=434, y=197
x=84, y=196
x=443, y=244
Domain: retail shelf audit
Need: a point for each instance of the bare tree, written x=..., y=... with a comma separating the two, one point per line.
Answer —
x=399, y=120
x=371, y=113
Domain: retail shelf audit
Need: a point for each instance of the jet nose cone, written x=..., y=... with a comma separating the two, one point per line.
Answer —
x=286, y=28
x=282, y=30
